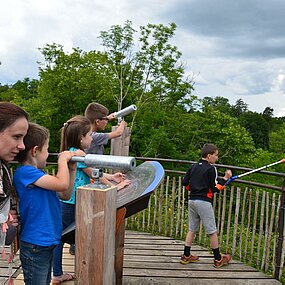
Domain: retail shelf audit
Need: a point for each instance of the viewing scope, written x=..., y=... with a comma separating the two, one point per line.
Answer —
x=124, y=163
x=126, y=111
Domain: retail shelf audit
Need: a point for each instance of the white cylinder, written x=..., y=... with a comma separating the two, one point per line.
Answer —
x=107, y=161
x=125, y=111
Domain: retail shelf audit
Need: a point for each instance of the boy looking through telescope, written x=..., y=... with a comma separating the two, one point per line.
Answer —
x=99, y=117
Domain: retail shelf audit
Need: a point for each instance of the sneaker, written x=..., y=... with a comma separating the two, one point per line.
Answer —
x=226, y=258
x=187, y=259
x=72, y=249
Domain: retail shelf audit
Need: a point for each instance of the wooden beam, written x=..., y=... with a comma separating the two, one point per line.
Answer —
x=95, y=235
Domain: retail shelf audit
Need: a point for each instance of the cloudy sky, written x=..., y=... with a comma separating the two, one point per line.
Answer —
x=234, y=48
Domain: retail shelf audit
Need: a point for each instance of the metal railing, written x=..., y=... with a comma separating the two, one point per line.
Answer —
x=243, y=212
x=254, y=210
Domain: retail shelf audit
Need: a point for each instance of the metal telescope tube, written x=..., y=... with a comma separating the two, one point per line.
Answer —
x=107, y=161
x=126, y=111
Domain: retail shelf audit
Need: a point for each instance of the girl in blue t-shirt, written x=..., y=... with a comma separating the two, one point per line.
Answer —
x=76, y=134
x=39, y=205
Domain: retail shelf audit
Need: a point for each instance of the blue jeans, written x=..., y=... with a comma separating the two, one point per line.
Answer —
x=36, y=263
x=68, y=217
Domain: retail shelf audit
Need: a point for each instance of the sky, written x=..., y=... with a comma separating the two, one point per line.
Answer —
x=232, y=48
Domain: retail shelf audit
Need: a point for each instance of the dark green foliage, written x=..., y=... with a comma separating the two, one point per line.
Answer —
x=143, y=68
x=257, y=126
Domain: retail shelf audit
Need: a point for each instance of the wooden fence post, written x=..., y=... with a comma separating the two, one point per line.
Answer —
x=280, y=234
x=95, y=235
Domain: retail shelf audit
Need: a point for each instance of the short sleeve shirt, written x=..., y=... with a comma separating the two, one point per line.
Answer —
x=98, y=142
x=81, y=178
x=39, y=208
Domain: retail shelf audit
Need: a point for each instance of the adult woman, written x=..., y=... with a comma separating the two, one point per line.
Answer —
x=13, y=128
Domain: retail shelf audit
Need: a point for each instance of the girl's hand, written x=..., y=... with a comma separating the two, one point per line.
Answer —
x=118, y=177
x=123, y=184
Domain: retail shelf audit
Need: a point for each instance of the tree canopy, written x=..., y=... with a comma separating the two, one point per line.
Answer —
x=144, y=68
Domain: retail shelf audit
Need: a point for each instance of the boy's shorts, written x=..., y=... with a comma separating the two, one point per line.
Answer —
x=201, y=211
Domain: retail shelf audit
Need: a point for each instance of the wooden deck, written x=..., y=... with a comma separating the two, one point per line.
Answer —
x=152, y=259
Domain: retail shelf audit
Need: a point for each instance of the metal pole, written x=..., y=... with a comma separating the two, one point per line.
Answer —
x=280, y=234
x=260, y=168
x=253, y=171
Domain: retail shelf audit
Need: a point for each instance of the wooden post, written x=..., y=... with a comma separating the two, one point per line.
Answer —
x=279, y=248
x=95, y=235
x=120, y=146
x=119, y=245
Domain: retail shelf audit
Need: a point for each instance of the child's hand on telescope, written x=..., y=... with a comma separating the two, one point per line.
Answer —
x=123, y=123
x=111, y=117
x=78, y=152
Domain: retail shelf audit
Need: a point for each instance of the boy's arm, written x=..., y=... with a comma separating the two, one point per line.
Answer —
x=119, y=131
x=105, y=181
x=88, y=171
x=218, y=185
x=61, y=181
x=186, y=178
x=65, y=195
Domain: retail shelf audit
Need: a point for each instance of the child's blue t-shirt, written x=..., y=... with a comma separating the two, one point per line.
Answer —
x=39, y=208
x=81, y=179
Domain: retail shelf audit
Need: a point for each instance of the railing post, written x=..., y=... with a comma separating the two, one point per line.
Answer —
x=280, y=234
x=95, y=235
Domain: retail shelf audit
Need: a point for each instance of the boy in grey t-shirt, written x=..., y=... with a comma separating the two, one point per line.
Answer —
x=99, y=117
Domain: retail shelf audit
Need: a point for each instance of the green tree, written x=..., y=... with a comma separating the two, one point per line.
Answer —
x=3, y=88
x=239, y=108
x=257, y=126
x=219, y=103
x=277, y=141
x=268, y=113
x=213, y=126
x=19, y=91
x=146, y=71
x=68, y=83
x=181, y=135
x=28, y=88
x=118, y=77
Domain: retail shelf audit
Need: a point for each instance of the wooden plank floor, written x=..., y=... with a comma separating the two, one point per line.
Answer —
x=152, y=259
x=4, y=271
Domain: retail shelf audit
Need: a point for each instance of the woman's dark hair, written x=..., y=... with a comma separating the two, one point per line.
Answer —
x=72, y=132
x=9, y=113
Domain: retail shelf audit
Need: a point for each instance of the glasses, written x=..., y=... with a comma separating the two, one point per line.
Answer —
x=106, y=119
